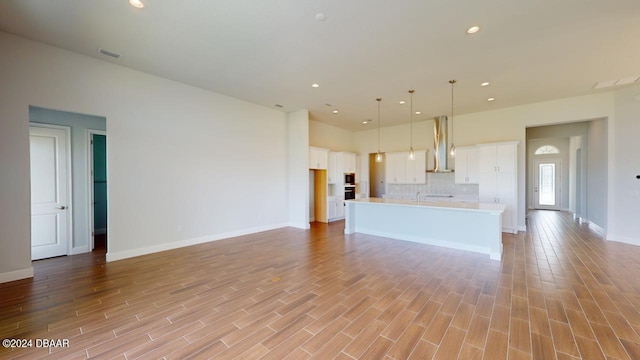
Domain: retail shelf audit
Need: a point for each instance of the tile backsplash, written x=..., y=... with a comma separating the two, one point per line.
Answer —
x=437, y=184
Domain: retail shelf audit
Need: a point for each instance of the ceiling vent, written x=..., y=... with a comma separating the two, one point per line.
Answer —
x=109, y=53
x=617, y=82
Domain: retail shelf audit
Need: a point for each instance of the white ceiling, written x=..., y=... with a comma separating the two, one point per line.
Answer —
x=270, y=51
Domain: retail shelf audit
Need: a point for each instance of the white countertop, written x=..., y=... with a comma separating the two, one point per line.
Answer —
x=452, y=205
x=433, y=197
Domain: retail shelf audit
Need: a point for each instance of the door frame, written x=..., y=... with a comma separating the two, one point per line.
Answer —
x=67, y=130
x=558, y=183
x=90, y=192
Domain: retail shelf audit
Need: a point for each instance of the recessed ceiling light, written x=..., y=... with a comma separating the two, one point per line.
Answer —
x=320, y=17
x=315, y=85
x=136, y=3
x=366, y=121
x=418, y=113
x=402, y=102
x=473, y=29
x=486, y=83
x=491, y=99
x=335, y=111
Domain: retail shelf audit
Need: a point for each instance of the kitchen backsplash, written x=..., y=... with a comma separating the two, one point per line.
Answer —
x=437, y=184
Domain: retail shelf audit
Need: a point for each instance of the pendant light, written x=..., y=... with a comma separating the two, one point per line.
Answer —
x=411, y=155
x=452, y=150
x=378, y=154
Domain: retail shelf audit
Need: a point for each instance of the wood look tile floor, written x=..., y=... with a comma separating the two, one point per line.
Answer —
x=560, y=292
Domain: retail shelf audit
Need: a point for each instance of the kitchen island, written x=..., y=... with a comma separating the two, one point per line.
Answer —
x=459, y=225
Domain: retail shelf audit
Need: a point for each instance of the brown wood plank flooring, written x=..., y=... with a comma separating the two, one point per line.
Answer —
x=560, y=292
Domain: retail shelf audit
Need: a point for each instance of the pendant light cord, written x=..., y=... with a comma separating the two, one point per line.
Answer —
x=378, y=100
x=452, y=150
x=411, y=118
x=452, y=82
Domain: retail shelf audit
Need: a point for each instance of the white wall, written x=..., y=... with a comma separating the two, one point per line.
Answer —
x=577, y=176
x=597, y=173
x=298, y=154
x=185, y=165
x=79, y=124
x=330, y=137
x=624, y=196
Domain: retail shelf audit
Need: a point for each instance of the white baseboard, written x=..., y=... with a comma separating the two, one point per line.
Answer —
x=111, y=256
x=100, y=231
x=596, y=227
x=16, y=275
x=303, y=226
x=312, y=219
x=623, y=239
x=522, y=228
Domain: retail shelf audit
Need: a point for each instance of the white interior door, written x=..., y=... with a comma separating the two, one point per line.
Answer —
x=50, y=221
x=546, y=189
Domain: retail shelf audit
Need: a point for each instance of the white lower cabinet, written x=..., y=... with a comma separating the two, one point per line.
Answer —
x=498, y=180
x=335, y=208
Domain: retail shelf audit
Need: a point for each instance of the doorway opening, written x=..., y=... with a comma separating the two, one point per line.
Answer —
x=78, y=206
x=377, y=176
x=98, y=187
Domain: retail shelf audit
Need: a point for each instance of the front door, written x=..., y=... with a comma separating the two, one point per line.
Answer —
x=50, y=228
x=547, y=187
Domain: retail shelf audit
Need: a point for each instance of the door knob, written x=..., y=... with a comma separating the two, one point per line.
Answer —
x=61, y=207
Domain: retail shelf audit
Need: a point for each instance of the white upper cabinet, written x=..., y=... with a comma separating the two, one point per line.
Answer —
x=466, y=165
x=395, y=168
x=338, y=164
x=349, y=162
x=416, y=172
x=399, y=169
x=332, y=168
x=318, y=158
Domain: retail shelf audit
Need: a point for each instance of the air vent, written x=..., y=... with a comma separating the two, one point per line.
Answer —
x=109, y=53
x=617, y=82
x=278, y=105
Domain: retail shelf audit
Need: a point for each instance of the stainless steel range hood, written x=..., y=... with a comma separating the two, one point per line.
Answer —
x=441, y=143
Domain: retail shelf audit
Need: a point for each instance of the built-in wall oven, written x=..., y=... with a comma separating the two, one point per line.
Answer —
x=349, y=192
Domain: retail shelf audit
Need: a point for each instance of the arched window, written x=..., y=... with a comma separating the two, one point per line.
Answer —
x=547, y=150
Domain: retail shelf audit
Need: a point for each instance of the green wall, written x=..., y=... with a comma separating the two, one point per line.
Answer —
x=100, y=183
